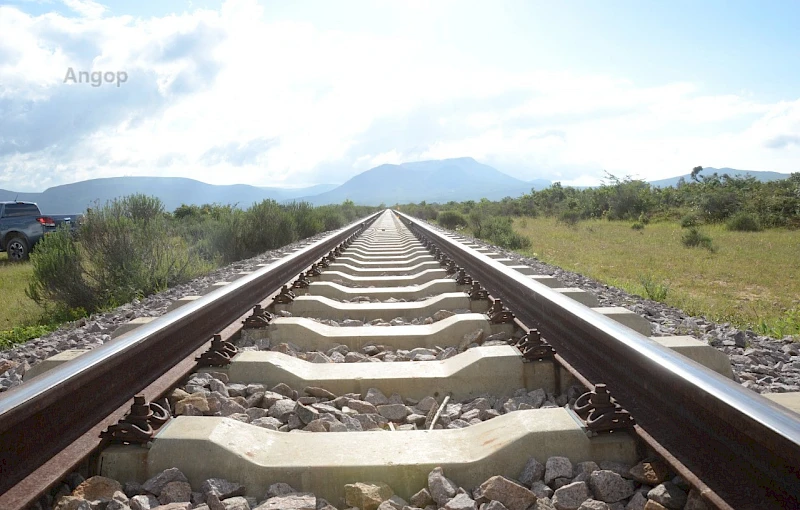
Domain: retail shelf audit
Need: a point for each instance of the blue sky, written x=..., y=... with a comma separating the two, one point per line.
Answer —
x=299, y=93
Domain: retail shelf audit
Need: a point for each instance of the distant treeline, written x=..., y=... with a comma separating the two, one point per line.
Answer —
x=131, y=247
x=709, y=199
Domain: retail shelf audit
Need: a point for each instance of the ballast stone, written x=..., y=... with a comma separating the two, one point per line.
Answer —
x=512, y=495
x=571, y=496
x=609, y=487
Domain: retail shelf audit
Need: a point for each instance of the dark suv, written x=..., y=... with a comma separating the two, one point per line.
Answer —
x=21, y=227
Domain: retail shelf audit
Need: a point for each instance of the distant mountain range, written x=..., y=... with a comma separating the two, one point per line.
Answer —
x=173, y=191
x=732, y=172
x=432, y=181
x=440, y=181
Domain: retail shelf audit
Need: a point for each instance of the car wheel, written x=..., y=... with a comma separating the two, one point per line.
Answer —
x=17, y=249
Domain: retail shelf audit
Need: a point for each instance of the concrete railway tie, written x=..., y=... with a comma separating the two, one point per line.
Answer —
x=388, y=347
x=328, y=314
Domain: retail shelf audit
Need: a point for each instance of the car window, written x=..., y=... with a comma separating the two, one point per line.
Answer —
x=17, y=210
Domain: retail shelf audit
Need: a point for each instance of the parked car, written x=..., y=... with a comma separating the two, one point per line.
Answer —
x=22, y=225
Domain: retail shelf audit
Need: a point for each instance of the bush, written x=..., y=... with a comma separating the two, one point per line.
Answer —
x=637, y=226
x=569, y=217
x=307, y=220
x=331, y=218
x=451, y=219
x=689, y=220
x=58, y=274
x=743, y=222
x=693, y=238
x=654, y=290
x=21, y=334
x=499, y=230
x=132, y=249
x=718, y=204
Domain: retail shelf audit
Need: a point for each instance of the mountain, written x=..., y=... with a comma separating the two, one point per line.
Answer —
x=431, y=181
x=732, y=172
x=173, y=191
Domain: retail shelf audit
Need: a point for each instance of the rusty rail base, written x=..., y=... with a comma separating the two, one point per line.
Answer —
x=48, y=425
x=744, y=447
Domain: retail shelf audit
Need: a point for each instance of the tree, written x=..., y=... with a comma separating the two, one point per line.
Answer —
x=695, y=172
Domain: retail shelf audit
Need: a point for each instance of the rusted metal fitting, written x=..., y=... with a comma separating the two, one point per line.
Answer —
x=462, y=278
x=533, y=347
x=452, y=267
x=259, y=319
x=301, y=282
x=325, y=261
x=285, y=296
x=601, y=412
x=219, y=354
x=477, y=292
x=138, y=426
x=314, y=271
x=498, y=314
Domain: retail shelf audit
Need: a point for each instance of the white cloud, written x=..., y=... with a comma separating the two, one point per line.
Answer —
x=86, y=8
x=234, y=95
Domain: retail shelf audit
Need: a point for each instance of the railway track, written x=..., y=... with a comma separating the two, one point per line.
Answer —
x=461, y=360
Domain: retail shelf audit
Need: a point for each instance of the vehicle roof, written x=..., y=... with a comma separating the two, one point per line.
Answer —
x=16, y=202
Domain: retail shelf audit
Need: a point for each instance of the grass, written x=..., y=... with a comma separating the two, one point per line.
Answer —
x=749, y=280
x=17, y=308
x=20, y=317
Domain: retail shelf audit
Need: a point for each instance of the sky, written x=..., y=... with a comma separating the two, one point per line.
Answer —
x=297, y=93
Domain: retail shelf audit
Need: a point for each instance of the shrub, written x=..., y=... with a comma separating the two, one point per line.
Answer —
x=132, y=250
x=693, y=238
x=307, y=220
x=654, y=290
x=451, y=219
x=788, y=325
x=21, y=334
x=499, y=231
x=718, y=204
x=476, y=220
x=331, y=218
x=186, y=211
x=743, y=222
x=689, y=220
x=637, y=226
x=569, y=217
x=58, y=274
x=129, y=247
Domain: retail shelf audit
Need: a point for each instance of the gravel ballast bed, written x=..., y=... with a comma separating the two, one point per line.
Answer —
x=554, y=484
x=317, y=410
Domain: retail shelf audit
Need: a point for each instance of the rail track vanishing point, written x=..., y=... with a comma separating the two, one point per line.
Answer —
x=734, y=447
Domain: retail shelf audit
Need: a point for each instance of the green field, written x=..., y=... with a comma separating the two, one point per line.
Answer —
x=17, y=309
x=751, y=280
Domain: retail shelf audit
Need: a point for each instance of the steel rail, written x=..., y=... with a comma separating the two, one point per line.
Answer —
x=47, y=414
x=743, y=446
